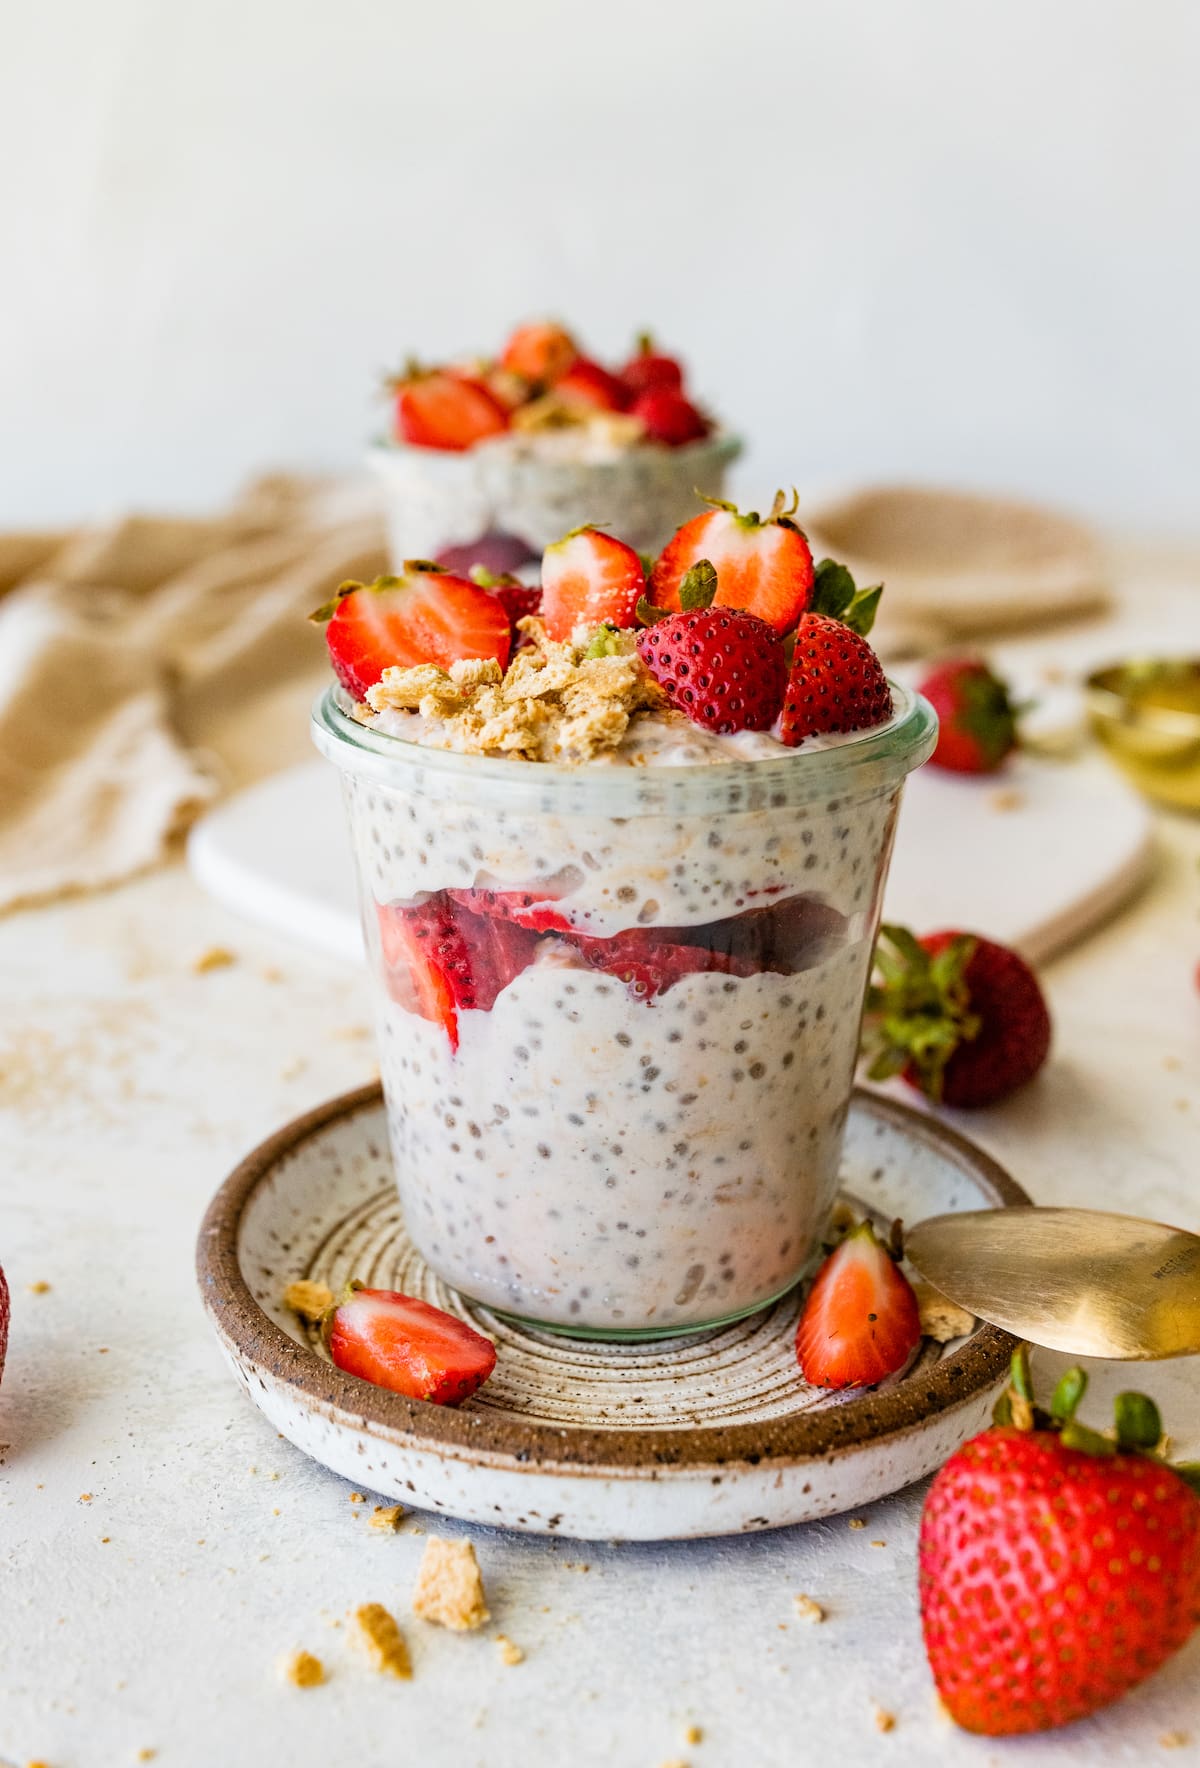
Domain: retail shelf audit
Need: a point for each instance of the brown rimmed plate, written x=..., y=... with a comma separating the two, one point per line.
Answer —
x=711, y=1434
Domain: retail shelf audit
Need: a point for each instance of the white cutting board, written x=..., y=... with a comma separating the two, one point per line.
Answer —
x=1033, y=859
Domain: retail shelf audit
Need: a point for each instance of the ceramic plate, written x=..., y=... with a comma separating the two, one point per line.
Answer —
x=710, y=1434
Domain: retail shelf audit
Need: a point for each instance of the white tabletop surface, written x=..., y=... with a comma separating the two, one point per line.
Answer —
x=162, y=1547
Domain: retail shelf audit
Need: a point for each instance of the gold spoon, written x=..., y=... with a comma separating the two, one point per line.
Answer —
x=1075, y=1280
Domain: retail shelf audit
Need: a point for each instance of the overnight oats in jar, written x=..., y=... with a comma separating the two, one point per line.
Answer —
x=620, y=889
x=488, y=461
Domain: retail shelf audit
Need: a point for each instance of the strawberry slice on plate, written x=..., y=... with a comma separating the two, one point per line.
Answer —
x=426, y=615
x=860, y=1320
x=589, y=578
x=764, y=566
x=407, y=1345
x=439, y=958
x=440, y=408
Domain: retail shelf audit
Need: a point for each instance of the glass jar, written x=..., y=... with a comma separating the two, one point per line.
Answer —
x=619, y=1011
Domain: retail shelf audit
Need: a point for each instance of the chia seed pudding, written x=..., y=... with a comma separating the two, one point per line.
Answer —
x=629, y=1121
x=535, y=487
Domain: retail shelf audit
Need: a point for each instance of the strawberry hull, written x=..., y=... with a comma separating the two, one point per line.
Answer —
x=619, y=1012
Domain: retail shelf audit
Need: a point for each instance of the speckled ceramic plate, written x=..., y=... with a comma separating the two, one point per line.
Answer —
x=711, y=1434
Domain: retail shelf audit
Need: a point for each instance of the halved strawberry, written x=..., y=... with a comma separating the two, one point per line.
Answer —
x=441, y=408
x=587, y=384
x=440, y=958
x=427, y=615
x=764, y=566
x=539, y=352
x=649, y=966
x=517, y=599
x=860, y=1319
x=649, y=368
x=669, y=418
x=589, y=577
x=398, y=1342
x=527, y=908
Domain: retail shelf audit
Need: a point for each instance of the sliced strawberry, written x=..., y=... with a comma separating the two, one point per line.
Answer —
x=588, y=578
x=518, y=599
x=398, y=1342
x=669, y=418
x=588, y=385
x=440, y=958
x=527, y=908
x=860, y=1319
x=650, y=966
x=763, y=566
x=541, y=353
x=445, y=409
x=424, y=616
x=650, y=369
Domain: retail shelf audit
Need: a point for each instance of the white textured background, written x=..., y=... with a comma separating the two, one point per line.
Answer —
x=926, y=239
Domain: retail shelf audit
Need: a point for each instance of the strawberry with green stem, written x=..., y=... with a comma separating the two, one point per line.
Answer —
x=422, y=615
x=1059, y=1566
x=977, y=720
x=961, y=1018
x=836, y=682
x=860, y=1321
x=763, y=565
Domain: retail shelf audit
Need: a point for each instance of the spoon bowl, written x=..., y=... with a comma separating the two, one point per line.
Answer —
x=1082, y=1281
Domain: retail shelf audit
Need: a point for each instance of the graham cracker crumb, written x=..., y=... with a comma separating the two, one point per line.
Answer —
x=39, y=1288
x=357, y=1498
x=510, y=1651
x=553, y=703
x=1007, y=798
x=85, y=1497
x=449, y=1588
x=807, y=1609
x=303, y=1670
x=1171, y=1063
x=308, y=1299
x=387, y=1517
x=879, y=1543
x=676, y=1762
x=350, y=1034
x=884, y=1721
x=384, y=1640
x=941, y=1319
x=146, y=1755
x=217, y=957
x=856, y=1522
x=693, y=1734
x=1174, y=1740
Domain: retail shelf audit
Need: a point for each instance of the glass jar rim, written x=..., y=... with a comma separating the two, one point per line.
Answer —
x=870, y=761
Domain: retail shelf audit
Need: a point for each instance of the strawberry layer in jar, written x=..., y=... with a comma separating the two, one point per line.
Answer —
x=619, y=1005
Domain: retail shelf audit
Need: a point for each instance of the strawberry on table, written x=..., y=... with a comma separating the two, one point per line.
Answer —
x=540, y=353
x=589, y=578
x=763, y=566
x=860, y=1320
x=398, y=1342
x=648, y=369
x=977, y=722
x=441, y=408
x=426, y=615
x=723, y=667
x=588, y=386
x=959, y=1017
x=669, y=418
x=1058, y=1566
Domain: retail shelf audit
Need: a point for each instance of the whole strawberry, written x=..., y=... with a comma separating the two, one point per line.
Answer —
x=961, y=1018
x=1058, y=1567
x=836, y=682
x=977, y=723
x=723, y=667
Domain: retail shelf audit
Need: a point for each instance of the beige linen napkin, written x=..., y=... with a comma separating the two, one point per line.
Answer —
x=129, y=651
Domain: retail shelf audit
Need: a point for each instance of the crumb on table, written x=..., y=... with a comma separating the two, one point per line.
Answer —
x=693, y=1734
x=217, y=957
x=1007, y=798
x=449, y=1589
x=856, y=1522
x=388, y=1517
x=884, y=1721
x=41, y=1287
x=303, y=1670
x=308, y=1299
x=807, y=1609
x=146, y=1755
x=510, y=1652
x=384, y=1640
x=1174, y=1740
